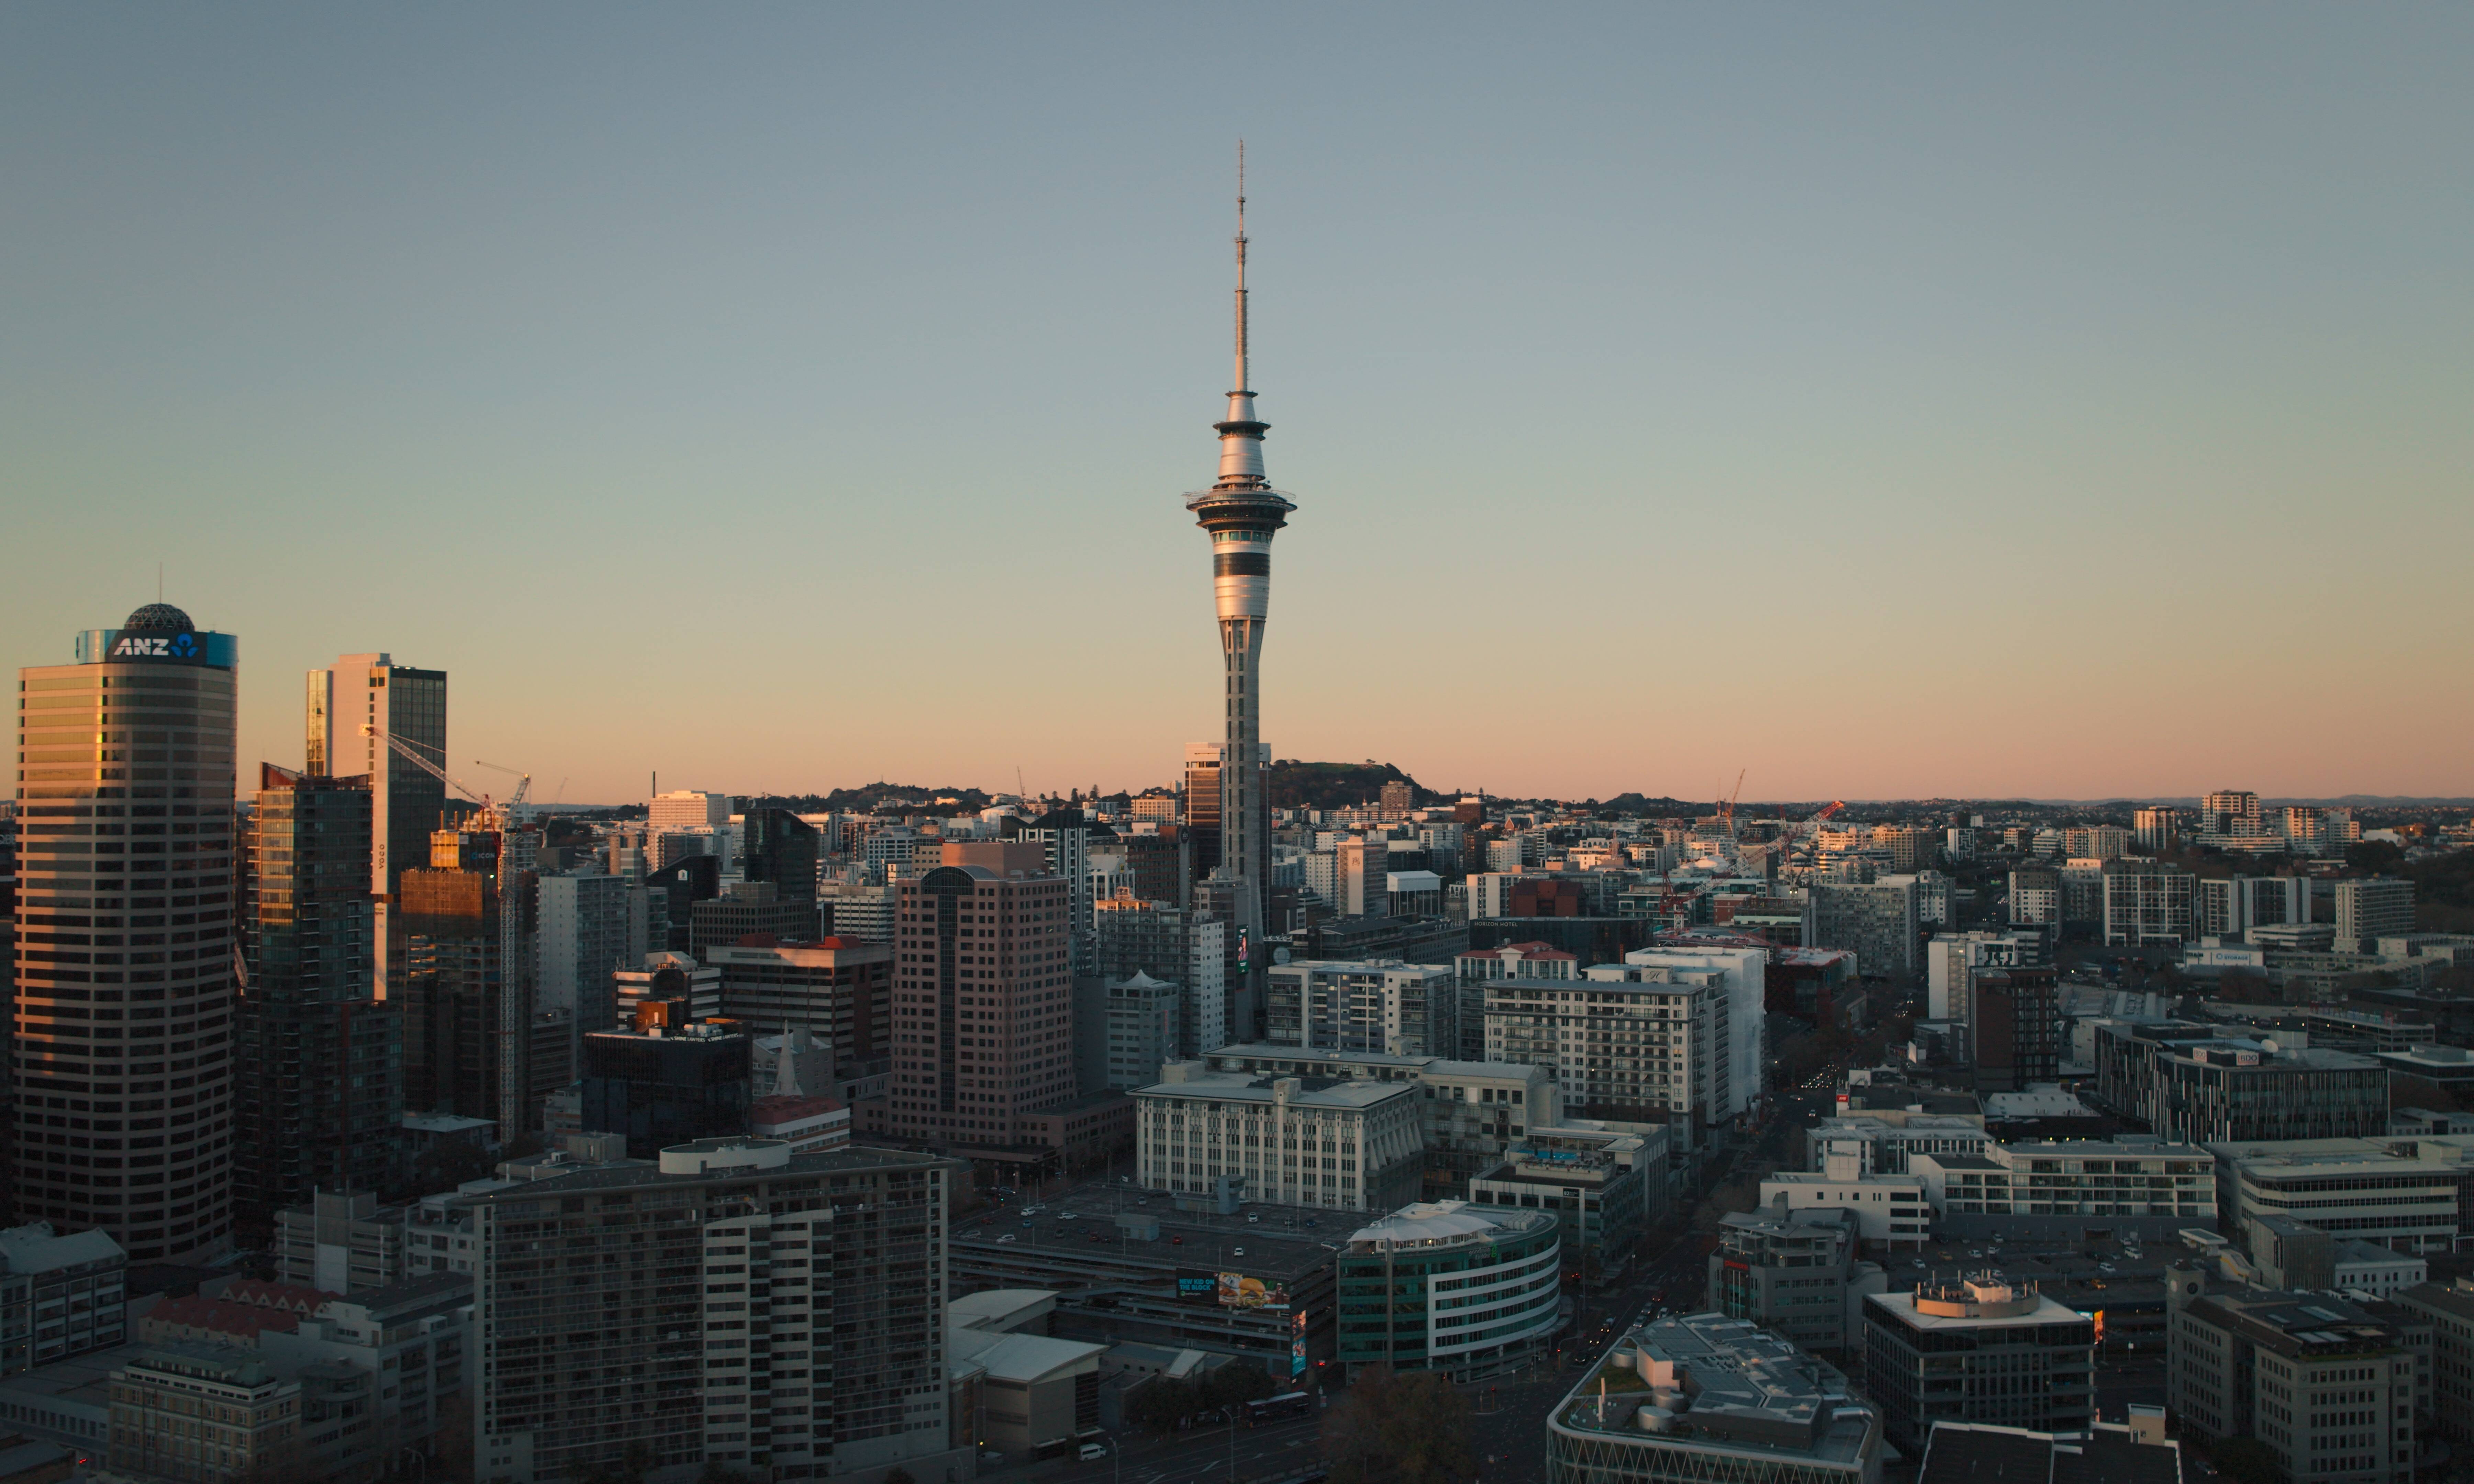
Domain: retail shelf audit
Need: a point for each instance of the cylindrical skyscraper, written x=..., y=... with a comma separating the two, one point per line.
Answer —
x=124, y=1004
x=1242, y=510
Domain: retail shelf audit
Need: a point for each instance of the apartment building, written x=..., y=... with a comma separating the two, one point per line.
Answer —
x=2328, y=1386
x=1891, y=1141
x=1371, y=1005
x=2132, y=1185
x=1353, y=1145
x=2372, y=908
x=60, y=1296
x=1671, y=1036
x=1890, y=1210
x=2149, y=904
x=733, y=1304
x=1876, y=922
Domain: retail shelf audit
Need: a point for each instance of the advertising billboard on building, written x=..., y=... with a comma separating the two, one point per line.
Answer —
x=1195, y=1286
x=1238, y=1291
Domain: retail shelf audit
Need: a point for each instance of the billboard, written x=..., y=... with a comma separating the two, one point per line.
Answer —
x=1298, y=1346
x=1195, y=1286
x=1238, y=1291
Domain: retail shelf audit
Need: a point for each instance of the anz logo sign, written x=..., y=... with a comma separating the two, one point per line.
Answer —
x=154, y=646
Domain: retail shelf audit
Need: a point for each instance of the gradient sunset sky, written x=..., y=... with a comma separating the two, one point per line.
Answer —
x=1888, y=401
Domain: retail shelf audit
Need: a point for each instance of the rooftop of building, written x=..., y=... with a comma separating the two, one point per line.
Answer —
x=2286, y=1158
x=1710, y=1383
x=1098, y=1220
x=1775, y=1220
x=1985, y=1299
x=617, y=1174
x=1431, y=1224
x=1988, y=1453
x=1187, y=1079
x=1000, y=1309
x=2297, y=1325
x=1023, y=1359
x=221, y=1316
x=36, y=1247
x=778, y=1109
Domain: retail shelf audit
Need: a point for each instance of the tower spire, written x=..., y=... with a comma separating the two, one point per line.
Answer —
x=1243, y=373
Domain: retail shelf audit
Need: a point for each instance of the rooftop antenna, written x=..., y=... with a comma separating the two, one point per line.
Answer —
x=1243, y=384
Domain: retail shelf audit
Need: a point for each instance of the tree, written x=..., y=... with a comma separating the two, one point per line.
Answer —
x=1398, y=1429
x=2246, y=1461
x=898, y=1474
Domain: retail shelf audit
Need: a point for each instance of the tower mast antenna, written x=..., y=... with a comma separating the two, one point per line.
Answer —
x=1243, y=374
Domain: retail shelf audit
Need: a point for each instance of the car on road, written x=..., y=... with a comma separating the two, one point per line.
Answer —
x=1006, y=1237
x=1092, y=1450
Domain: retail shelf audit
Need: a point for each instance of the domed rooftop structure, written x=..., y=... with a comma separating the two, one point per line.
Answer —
x=159, y=618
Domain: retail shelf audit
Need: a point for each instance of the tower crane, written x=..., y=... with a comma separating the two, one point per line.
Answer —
x=516, y=800
x=1727, y=815
x=412, y=754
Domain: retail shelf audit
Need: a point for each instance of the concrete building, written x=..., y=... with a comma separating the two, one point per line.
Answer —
x=2152, y=830
x=1953, y=960
x=2326, y=1384
x=1977, y=1349
x=341, y=1242
x=352, y=709
x=1671, y=1036
x=1184, y=945
x=855, y=909
x=586, y=929
x=1875, y=922
x=746, y=910
x=2149, y=904
x=983, y=1008
x=1796, y=1274
x=2035, y=897
x=2132, y=1452
x=2192, y=1086
x=2290, y=1254
x=667, y=975
x=60, y=1295
x=1701, y=1397
x=1600, y=1203
x=1891, y=1141
x=127, y=834
x=2229, y=907
x=815, y=1347
x=1474, y=1110
x=1372, y=1005
x=1353, y=1145
x=1032, y=1389
x=1468, y=1291
x=2372, y=908
x=2132, y=1186
x=809, y=1124
x=2402, y=1194
x=838, y=990
x=1890, y=1210
x=2446, y=1378
x=1137, y=1032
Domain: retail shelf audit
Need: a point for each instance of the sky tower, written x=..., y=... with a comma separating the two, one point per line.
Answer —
x=1242, y=510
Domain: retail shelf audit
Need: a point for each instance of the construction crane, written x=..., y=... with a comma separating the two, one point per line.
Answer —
x=412, y=754
x=1727, y=815
x=514, y=800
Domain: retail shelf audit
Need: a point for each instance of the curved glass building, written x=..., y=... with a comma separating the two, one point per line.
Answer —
x=1443, y=1285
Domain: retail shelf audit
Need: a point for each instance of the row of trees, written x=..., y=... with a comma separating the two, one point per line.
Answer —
x=1399, y=1428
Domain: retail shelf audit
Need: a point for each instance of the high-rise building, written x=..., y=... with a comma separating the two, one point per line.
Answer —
x=2152, y=829
x=687, y=808
x=1385, y=1005
x=467, y=997
x=2231, y=906
x=2230, y=811
x=126, y=883
x=1066, y=835
x=819, y=1351
x=2016, y=1035
x=2372, y=908
x=1179, y=943
x=1242, y=512
x=783, y=849
x=1875, y=922
x=320, y=1065
x=838, y=990
x=1131, y=1032
x=2149, y=904
x=587, y=927
x=351, y=710
x=983, y=995
x=665, y=1079
x=750, y=909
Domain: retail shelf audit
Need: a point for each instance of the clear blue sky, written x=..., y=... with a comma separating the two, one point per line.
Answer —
x=1887, y=400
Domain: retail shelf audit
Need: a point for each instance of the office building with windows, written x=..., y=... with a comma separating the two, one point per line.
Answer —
x=665, y=1081
x=2134, y=1185
x=1601, y=1203
x=2372, y=908
x=1381, y=1005
x=1185, y=946
x=2192, y=1085
x=320, y=1064
x=2328, y=1385
x=1876, y=920
x=838, y=990
x=2414, y=1194
x=735, y=1303
x=1794, y=1273
x=587, y=927
x=125, y=904
x=1351, y=1145
x=983, y=995
x=1702, y=1398
x=352, y=709
x=1979, y=1349
x=2150, y=905
x=781, y=849
x=1468, y=1291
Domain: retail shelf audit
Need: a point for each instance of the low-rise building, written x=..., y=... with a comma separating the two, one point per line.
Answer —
x=2291, y=1255
x=1889, y=1142
x=1977, y=1349
x=201, y=1414
x=60, y=1295
x=809, y=1125
x=1030, y=1389
x=1794, y=1273
x=1353, y=1145
x=2447, y=1380
x=1597, y=1202
x=1481, y=1284
x=2189, y=1084
x=1890, y=1210
x=1706, y=1398
x=2132, y=1452
x=2132, y=1186
x=2326, y=1384
x=2411, y=1194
